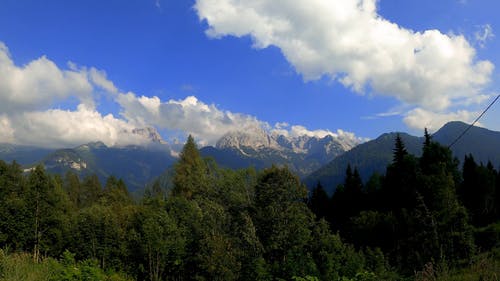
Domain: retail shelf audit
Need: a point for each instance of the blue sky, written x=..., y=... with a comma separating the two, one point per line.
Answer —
x=109, y=66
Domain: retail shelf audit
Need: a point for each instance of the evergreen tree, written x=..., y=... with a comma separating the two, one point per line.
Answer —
x=15, y=217
x=72, y=187
x=90, y=191
x=190, y=172
x=400, y=183
x=427, y=137
x=115, y=192
x=399, y=151
x=319, y=202
x=438, y=185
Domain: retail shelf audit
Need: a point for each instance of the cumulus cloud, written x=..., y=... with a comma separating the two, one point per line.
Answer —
x=347, y=40
x=205, y=122
x=296, y=131
x=28, y=94
x=420, y=118
x=38, y=84
x=65, y=128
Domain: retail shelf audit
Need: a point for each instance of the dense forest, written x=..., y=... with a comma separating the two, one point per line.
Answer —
x=427, y=218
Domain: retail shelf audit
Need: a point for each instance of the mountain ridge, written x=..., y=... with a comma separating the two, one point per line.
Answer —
x=313, y=158
x=302, y=154
x=374, y=156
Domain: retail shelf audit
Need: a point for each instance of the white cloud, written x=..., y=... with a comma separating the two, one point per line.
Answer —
x=205, y=122
x=484, y=34
x=419, y=118
x=349, y=41
x=99, y=78
x=29, y=93
x=7, y=135
x=65, y=128
x=296, y=131
x=38, y=84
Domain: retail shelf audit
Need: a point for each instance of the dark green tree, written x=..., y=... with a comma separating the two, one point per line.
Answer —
x=90, y=191
x=15, y=216
x=283, y=223
x=48, y=207
x=319, y=202
x=72, y=187
x=190, y=172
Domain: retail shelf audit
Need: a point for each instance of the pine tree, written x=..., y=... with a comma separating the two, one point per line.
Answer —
x=427, y=137
x=190, y=172
x=72, y=186
x=399, y=151
x=319, y=202
x=90, y=191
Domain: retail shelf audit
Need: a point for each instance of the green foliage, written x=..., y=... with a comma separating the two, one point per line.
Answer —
x=306, y=278
x=483, y=267
x=190, y=172
x=283, y=222
x=219, y=224
x=22, y=267
x=319, y=202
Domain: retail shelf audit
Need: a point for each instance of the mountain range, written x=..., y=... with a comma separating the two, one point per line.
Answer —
x=313, y=158
x=135, y=164
x=260, y=149
x=374, y=156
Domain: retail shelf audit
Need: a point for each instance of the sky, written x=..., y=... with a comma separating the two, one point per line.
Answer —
x=75, y=71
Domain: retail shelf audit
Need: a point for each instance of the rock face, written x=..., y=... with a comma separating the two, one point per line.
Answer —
x=257, y=140
x=302, y=154
x=149, y=133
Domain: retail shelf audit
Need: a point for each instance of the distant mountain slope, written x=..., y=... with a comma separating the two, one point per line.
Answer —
x=302, y=154
x=23, y=155
x=369, y=157
x=136, y=165
x=375, y=155
x=482, y=143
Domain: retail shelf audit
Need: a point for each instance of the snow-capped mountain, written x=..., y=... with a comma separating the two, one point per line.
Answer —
x=303, y=154
x=258, y=140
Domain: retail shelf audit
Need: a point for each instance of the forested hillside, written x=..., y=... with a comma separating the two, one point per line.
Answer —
x=425, y=219
x=373, y=156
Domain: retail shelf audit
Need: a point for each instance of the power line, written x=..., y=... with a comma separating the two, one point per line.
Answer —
x=471, y=125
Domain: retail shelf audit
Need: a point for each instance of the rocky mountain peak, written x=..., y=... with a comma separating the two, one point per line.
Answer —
x=255, y=138
x=258, y=139
x=149, y=133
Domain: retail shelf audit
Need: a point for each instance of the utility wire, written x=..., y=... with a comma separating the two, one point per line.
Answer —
x=471, y=125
